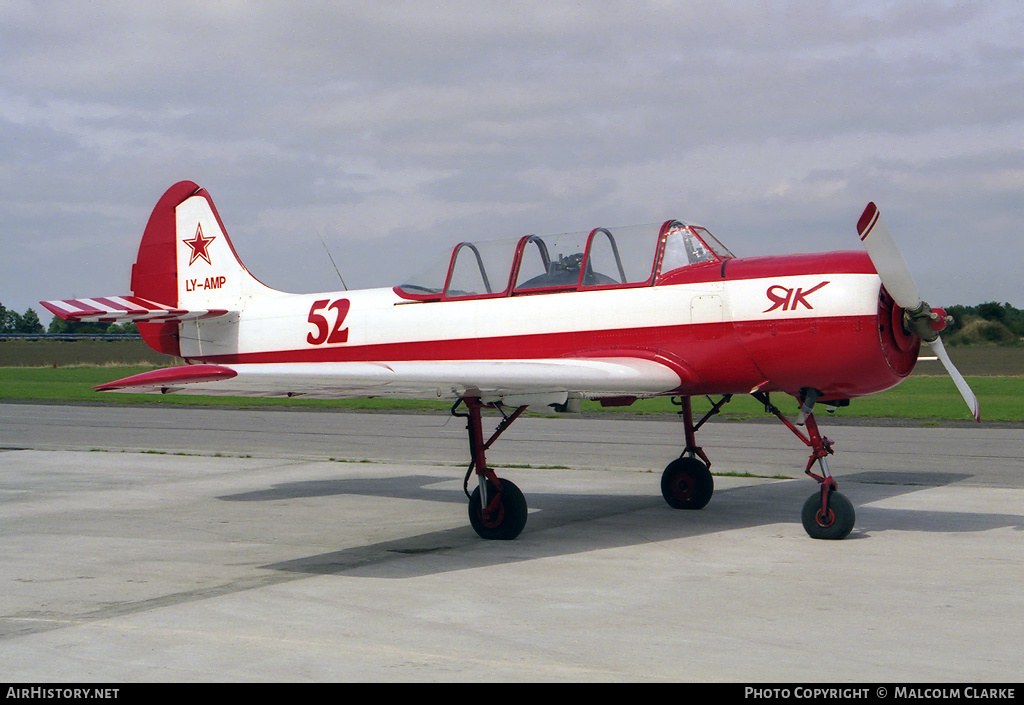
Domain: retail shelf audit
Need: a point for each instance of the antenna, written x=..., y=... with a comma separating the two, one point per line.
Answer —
x=344, y=286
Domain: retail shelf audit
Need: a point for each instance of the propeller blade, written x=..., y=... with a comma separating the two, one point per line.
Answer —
x=888, y=261
x=896, y=278
x=958, y=379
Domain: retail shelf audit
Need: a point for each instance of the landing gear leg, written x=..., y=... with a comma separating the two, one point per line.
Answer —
x=497, y=508
x=687, y=482
x=826, y=514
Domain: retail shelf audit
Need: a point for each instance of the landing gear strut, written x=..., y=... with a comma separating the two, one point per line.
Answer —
x=497, y=509
x=826, y=514
x=687, y=482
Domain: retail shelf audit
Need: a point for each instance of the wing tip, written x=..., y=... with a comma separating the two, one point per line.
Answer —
x=169, y=376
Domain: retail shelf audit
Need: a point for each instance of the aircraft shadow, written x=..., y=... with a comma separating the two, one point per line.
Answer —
x=564, y=524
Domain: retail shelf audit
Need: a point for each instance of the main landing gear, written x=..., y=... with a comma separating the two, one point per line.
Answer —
x=687, y=483
x=497, y=509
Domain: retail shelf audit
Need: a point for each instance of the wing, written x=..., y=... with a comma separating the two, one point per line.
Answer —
x=516, y=382
x=123, y=309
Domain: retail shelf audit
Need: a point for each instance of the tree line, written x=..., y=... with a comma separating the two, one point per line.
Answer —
x=29, y=323
x=14, y=322
x=989, y=322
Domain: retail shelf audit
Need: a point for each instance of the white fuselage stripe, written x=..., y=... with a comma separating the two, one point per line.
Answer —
x=282, y=322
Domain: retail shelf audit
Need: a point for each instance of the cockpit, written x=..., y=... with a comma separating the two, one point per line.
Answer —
x=602, y=258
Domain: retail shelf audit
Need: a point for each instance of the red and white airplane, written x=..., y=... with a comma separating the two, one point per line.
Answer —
x=611, y=315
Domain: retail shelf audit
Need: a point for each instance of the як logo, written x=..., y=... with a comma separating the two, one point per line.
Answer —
x=789, y=299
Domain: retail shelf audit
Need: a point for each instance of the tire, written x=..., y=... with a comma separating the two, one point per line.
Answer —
x=835, y=524
x=687, y=484
x=509, y=519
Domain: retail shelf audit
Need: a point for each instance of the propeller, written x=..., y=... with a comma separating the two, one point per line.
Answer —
x=918, y=317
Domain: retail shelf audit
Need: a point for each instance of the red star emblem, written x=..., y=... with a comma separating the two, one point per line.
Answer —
x=199, y=245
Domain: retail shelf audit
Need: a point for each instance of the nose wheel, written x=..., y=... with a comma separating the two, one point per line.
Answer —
x=828, y=515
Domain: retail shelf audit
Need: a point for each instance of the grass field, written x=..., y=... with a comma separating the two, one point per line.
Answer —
x=927, y=395
x=39, y=353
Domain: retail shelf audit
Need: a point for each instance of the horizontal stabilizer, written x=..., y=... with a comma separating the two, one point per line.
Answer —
x=123, y=309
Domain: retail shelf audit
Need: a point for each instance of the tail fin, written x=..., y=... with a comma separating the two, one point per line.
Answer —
x=186, y=269
x=186, y=260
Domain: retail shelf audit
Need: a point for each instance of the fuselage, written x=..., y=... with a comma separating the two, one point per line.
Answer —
x=726, y=327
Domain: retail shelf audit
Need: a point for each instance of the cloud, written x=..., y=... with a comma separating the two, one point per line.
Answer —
x=432, y=122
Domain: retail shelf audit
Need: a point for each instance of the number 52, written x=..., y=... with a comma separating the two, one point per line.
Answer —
x=324, y=332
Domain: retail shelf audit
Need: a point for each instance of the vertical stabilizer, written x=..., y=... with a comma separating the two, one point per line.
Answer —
x=210, y=275
x=187, y=261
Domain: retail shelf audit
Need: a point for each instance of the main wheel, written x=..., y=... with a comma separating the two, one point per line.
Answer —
x=507, y=520
x=836, y=523
x=687, y=484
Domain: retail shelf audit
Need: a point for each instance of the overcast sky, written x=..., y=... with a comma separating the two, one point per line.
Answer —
x=395, y=129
